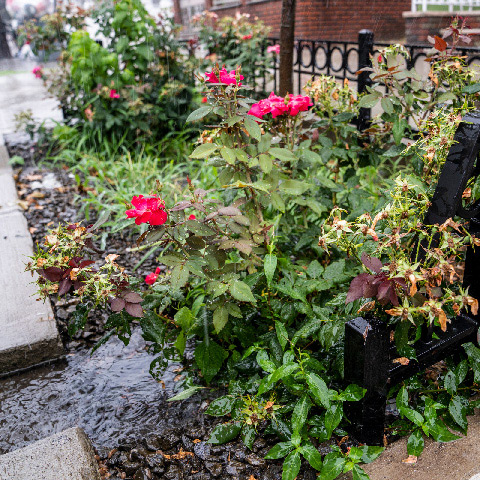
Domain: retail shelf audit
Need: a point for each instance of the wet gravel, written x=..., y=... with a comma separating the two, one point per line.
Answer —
x=169, y=441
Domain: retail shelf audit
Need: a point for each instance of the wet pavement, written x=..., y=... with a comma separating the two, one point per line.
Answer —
x=21, y=91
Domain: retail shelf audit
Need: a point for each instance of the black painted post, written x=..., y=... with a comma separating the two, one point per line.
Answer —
x=365, y=50
x=367, y=363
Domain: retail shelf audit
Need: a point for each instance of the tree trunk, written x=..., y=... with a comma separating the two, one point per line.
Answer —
x=287, y=38
x=4, y=48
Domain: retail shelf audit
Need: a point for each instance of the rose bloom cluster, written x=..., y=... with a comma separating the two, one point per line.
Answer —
x=225, y=77
x=38, y=72
x=149, y=210
x=291, y=105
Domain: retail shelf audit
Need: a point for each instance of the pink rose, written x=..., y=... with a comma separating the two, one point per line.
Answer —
x=298, y=103
x=274, y=49
x=247, y=37
x=38, y=72
x=211, y=77
x=114, y=94
x=148, y=210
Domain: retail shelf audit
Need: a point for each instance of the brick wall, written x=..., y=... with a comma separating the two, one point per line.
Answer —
x=331, y=19
x=419, y=25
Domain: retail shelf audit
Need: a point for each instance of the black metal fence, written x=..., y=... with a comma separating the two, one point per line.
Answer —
x=343, y=60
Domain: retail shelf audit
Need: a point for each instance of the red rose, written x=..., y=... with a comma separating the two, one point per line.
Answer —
x=148, y=210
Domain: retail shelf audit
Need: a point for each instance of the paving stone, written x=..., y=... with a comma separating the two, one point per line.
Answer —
x=458, y=460
x=66, y=455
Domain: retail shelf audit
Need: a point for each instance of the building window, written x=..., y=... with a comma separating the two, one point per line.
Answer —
x=445, y=5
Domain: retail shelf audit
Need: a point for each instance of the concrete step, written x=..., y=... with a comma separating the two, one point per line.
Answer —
x=29, y=332
x=66, y=455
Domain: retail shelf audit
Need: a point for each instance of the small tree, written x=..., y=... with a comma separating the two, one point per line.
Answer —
x=287, y=38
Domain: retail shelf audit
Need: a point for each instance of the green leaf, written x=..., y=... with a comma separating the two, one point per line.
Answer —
x=265, y=162
x=450, y=383
x=315, y=269
x=78, y=319
x=180, y=343
x=220, y=318
x=199, y=229
x=277, y=202
x=248, y=435
x=281, y=372
x=204, y=150
x=293, y=187
x=415, y=443
x=300, y=413
x=264, y=361
x=333, y=417
x=280, y=450
x=319, y=389
x=241, y=291
x=209, y=357
x=153, y=328
x=179, y=277
x=439, y=431
x=398, y=129
x=312, y=326
x=446, y=96
x=359, y=474
x=313, y=456
x=220, y=406
x=461, y=371
x=185, y=394
x=474, y=358
x=370, y=453
x=474, y=88
x=282, y=334
x=282, y=154
x=253, y=128
x=412, y=415
x=228, y=155
x=291, y=466
x=269, y=266
x=387, y=105
x=458, y=411
x=198, y=114
x=353, y=393
x=402, y=398
x=224, y=433
x=370, y=100
x=333, y=465
x=184, y=318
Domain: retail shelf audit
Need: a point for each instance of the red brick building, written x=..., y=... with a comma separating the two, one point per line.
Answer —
x=315, y=19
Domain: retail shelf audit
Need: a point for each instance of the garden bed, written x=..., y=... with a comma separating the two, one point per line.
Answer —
x=178, y=449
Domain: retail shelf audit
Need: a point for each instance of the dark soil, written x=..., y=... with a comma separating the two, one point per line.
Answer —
x=48, y=195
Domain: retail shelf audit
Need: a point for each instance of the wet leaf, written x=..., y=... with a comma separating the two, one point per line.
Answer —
x=319, y=389
x=300, y=413
x=313, y=456
x=209, y=357
x=220, y=406
x=269, y=266
x=224, y=433
x=204, y=150
x=248, y=435
x=185, y=394
x=415, y=443
x=241, y=291
x=291, y=466
x=332, y=466
x=280, y=450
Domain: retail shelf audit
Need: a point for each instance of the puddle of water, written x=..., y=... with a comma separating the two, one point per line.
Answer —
x=110, y=394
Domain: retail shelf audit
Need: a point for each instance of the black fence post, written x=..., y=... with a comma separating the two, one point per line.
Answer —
x=365, y=50
x=367, y=344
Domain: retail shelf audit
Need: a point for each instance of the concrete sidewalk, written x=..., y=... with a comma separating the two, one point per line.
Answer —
x=28, y=330
x=22, y=91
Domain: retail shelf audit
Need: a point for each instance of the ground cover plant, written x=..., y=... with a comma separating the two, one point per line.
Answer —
x=305, y=224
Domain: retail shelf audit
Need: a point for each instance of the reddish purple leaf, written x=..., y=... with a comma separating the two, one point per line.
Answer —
x=117, y=304
x=132, y=297
x=372, y=263
x=64, y=286
x=54, y=274
x=134, y=309
x=356, y=287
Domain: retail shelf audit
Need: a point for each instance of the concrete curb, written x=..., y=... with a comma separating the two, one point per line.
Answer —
x=66, y=455
x=29, y=333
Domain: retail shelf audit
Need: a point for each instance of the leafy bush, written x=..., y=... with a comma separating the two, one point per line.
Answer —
x=137, y=86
